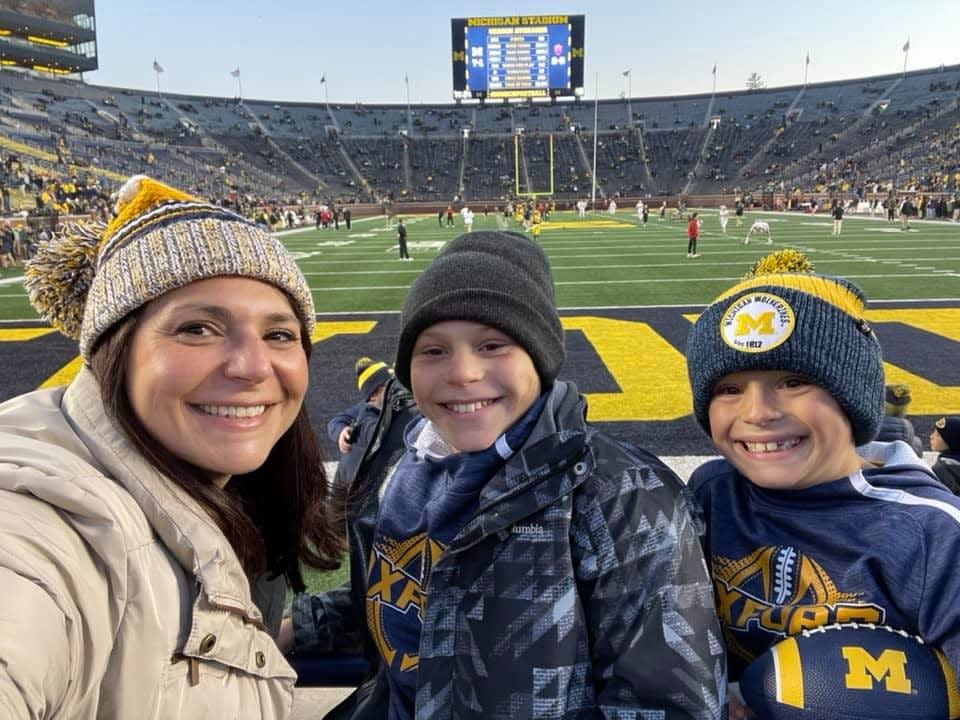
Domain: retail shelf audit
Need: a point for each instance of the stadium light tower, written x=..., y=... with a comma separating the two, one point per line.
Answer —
x=596, y=107
x=628, y=74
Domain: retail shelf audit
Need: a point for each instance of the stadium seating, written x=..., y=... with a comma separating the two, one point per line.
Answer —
x=852, y=135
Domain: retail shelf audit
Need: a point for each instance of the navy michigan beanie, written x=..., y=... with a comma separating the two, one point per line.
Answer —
x=497, y=278
x=809, y=324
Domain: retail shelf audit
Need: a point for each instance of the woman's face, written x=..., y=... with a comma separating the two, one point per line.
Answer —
x=217, y=372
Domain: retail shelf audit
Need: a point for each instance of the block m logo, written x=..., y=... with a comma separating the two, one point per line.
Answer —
x=761, y=324
x=864, y=670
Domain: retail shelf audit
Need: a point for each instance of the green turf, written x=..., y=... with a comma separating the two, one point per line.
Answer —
x=611, y=261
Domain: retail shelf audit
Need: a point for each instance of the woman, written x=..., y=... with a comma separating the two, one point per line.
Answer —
x=153, y=512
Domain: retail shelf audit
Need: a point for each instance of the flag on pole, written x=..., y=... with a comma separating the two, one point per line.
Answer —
x=808, y=58
x=906, y=45
x=156, y=66
x=323, y=78
x=235, y=73
x=714, y=70
x=406, y=79
x=626, y=73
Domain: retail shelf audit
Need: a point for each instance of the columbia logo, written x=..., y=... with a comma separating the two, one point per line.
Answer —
x=531, y=529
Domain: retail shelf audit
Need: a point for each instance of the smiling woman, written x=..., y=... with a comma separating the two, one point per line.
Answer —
x=157, y=508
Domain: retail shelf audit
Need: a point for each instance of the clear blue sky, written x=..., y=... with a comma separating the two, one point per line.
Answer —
x=366, y=48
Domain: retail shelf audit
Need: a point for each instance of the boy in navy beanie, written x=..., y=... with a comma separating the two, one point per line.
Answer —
x=507, y=541
x=803, y=527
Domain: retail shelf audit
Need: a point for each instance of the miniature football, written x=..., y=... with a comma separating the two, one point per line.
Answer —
x=851, y=672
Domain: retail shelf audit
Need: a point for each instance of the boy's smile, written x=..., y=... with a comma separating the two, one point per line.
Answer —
x=780, y=430
x=472, y=382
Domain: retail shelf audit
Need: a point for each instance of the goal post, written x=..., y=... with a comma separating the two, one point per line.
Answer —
x=532, y=191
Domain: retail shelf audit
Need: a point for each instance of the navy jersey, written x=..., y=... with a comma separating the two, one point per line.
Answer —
x=877, y=546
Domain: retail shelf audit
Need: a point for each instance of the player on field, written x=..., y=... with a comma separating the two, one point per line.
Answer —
x=693, y=232
x=837, y=213
x=724, y=218
x=761, y=228
x=639, y=207
x=808, y=523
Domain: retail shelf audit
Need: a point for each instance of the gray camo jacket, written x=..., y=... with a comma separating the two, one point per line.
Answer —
x=578, y=590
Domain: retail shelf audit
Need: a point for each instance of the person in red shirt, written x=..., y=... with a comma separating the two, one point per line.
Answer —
x=693, y=230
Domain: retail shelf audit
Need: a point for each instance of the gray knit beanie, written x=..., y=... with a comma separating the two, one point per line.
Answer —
x=500, y=279
x=809, y=324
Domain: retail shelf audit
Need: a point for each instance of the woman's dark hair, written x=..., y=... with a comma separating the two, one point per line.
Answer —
x=274, y=517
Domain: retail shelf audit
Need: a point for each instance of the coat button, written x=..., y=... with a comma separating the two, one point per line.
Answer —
x=260, y=659
x=206, y=645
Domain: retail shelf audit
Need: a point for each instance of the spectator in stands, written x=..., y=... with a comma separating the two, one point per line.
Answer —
x=800, y=484
x=347, y=426
x=945, y=439
x=895, y=425
x=837, y=213
x=494, y=463
x=155, y=511
x=6, y=245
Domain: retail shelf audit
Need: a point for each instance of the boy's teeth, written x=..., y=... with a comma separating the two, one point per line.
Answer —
x=765, y=447
x=461, y=408
x=243, y=411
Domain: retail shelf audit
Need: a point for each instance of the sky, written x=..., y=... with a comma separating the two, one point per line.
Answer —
x=365, y=49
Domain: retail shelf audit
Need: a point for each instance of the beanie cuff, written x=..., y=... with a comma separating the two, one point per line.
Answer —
x=541, y=337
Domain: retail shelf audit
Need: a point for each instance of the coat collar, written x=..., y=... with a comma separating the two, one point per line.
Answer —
x=552, y=463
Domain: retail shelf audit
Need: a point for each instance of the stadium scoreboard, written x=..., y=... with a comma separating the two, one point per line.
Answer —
x=523, y=56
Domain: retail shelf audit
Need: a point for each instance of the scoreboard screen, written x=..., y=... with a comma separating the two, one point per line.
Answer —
x=523, y=56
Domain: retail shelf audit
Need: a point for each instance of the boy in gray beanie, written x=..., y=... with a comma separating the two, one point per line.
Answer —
x=803, y=527
x=502, y=540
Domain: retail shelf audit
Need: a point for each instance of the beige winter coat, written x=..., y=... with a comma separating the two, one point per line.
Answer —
x=119, y=598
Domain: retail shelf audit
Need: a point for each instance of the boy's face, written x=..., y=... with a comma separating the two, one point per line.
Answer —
x=472, y=382
x=937, y=443
x=780, y=430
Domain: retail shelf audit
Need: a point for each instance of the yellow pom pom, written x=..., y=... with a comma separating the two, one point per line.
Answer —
x=58, y=276
x=782, y=261
x=138, y=195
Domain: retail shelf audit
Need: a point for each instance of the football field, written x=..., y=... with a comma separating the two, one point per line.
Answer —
x=628, y=294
